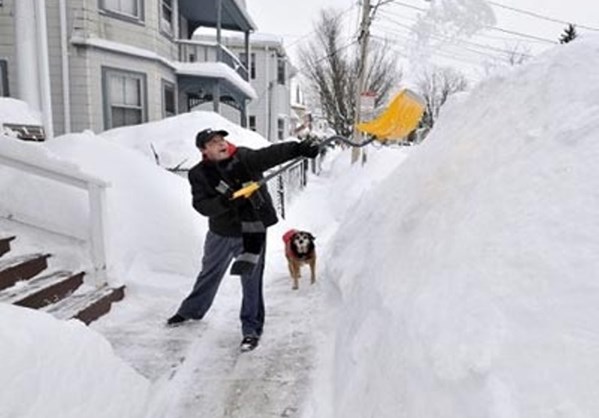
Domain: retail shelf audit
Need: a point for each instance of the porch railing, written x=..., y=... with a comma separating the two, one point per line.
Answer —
x=204, y=51
x=96, y=189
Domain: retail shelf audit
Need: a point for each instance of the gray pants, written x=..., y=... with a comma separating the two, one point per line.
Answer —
x=218, y=253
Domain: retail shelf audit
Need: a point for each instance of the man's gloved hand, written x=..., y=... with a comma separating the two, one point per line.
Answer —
x=308, y=149
x=227, y=192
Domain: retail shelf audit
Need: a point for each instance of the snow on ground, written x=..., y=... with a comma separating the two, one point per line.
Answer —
x=467, y=279
x=53, y=368
x=459, y=284
x=197, y=368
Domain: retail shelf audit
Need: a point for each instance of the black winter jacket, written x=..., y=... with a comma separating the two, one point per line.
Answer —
x=243, y=166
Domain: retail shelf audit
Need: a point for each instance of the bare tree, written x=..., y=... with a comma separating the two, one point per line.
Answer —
x=436, y=85
x=517, y=54
x=331, y=68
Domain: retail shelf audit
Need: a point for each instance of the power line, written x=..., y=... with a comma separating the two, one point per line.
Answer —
x=540, y=16
x=313, y=31
x=523, y=35
x=495, y=28
x=475, y=44
x=341, y=48
x=454, y=56
x=484, y=35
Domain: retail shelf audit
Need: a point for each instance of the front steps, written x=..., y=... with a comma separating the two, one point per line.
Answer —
x=25, y=282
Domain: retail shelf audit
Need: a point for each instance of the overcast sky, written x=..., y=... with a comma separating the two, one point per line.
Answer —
x=293, y=20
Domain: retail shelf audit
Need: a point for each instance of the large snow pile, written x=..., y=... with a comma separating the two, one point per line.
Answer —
x=140, y=194
x=52, y=368
x=467, y=279
x=150, y=221
x=172, y=140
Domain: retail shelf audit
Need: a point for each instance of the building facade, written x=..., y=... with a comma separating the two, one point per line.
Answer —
x=270, y=74
x=101, y=64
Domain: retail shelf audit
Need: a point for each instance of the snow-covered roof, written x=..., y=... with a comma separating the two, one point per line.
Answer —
x=120, y=47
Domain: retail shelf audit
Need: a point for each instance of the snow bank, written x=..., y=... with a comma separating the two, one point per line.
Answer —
x=467, y=279
x=149, y=216
x=53, y=368
x=173, y=139
x=151, y=224
x=17, y=111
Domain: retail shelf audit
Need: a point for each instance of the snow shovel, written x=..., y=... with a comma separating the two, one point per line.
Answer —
x=399, y=119
x=249, y=188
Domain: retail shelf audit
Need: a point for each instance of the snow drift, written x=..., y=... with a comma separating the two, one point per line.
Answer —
x=53, y=368
x=467, y=279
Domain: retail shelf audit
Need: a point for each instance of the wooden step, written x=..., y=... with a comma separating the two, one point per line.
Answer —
x=42, y=290
x=86, y=305
x=20, y=268
x=5, y=245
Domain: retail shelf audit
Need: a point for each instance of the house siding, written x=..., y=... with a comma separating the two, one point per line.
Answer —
x=88, y=96
x=271, y=95
x=7, y=49
x=146, y=34
x=87, y=26
x=55, y=63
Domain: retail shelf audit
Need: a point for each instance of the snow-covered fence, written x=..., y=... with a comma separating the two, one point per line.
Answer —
x=287, y=185
x=96, y=188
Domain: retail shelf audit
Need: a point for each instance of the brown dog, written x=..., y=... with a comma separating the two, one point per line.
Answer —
x=300, y=250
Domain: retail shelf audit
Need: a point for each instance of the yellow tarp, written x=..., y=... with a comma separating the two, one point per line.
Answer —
x=399, y=119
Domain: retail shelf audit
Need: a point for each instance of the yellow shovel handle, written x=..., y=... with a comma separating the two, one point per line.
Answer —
x=247, y=191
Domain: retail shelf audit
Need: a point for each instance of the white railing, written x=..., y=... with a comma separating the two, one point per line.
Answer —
x=205, y=51
x=96, y=189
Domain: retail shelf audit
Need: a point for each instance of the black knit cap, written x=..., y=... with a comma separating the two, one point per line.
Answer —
x=206, y=135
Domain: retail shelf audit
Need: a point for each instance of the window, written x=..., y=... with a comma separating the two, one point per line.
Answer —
x=128, y=8
x=281, y=70
x=281, y=128
x=3, y=78
x=252, y=64
x=124, y=98
x=252, y=123
x=169, y=107
x=166, y=16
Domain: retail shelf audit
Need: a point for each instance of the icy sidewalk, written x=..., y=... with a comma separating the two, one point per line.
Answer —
x=197, y=369
x=216, y=380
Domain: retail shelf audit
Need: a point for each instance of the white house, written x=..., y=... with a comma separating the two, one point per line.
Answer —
x=270, y=74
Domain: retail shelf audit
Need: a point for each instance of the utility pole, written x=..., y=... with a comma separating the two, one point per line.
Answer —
x=363, y=41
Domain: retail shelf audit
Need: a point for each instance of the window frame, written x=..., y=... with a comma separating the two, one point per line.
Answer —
x=166, y=85
x=4, y=88
x=108, y=106
x=139, y=18
x=281, y=70
x=281, y=128
x=252, y=123
x=170, y=29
